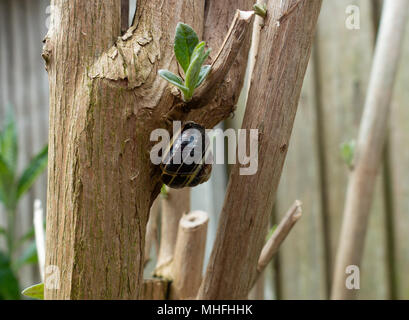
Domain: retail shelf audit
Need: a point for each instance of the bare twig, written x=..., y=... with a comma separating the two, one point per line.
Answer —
x=279, y=235
x=372, y=135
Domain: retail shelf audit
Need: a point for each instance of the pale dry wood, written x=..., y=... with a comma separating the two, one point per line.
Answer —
x=155, y=289
x=276, y=85
x=343, y=76
x=187, y=264
x=151, y=238
x=174, y=205
x=280, y=234
x=372, y=135
x=270, y=249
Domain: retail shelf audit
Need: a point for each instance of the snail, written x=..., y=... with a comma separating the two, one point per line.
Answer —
x=184, y=162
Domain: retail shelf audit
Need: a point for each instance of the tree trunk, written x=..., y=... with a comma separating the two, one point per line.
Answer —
x=285, y=45
x=105, y=99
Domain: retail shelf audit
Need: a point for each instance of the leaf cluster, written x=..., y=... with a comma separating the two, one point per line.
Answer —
x=191, y=55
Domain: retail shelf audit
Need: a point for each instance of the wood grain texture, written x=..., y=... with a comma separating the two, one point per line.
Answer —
x=101, y=180
x=302, y=254
x=272, y=104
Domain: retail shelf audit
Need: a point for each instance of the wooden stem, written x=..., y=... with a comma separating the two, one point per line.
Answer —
x=284, y=53
x=280, y=234
x=187, y=265
x=372, y=135
x=174, y=206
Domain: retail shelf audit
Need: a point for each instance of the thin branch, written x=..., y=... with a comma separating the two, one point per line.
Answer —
x=372, y=136
x=280, y=234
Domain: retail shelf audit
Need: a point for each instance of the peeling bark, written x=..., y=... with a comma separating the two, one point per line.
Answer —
x=105, y=99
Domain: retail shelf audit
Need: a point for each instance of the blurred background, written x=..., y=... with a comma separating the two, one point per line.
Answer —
x=316, y=170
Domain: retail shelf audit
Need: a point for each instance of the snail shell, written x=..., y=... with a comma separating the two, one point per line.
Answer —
x=183, y=162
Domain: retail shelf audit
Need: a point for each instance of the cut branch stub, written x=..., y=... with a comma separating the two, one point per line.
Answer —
x=174, y=206
x=187, y=265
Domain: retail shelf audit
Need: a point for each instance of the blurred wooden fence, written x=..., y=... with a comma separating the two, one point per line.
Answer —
x=329, y=114
x=24, y=87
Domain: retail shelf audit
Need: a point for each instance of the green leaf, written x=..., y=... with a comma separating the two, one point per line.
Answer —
x=8, y=141
x=204, y=71
x=29, y=256
x=348, y=152
x=2, y=231
x=164, y=191
x=174, y=79
x=36, y=291
x=192, y=75
x=6, y=182
x=9, y=288
x=35, y=168
x=185, y=42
